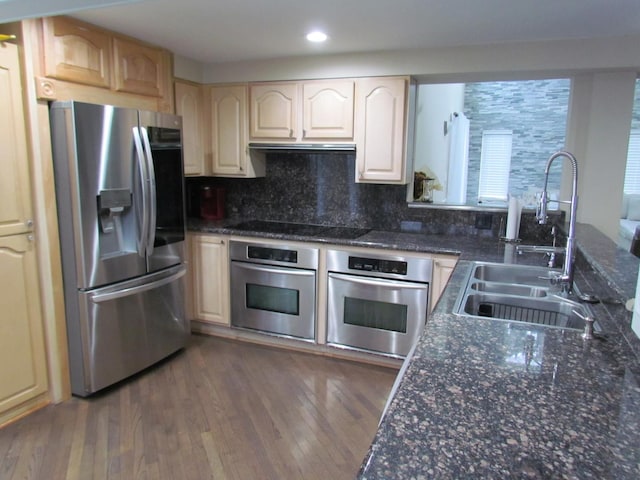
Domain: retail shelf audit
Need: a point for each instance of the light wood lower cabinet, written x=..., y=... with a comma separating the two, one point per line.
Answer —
x=210, y=278
x=443, y=266
x=23, y=364
x=23, y=370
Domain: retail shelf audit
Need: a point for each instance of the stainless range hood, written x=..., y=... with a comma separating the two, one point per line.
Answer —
x=303, y=147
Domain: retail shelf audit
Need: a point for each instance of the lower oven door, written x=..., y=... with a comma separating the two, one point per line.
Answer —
x=273, y=299
x=374, y=313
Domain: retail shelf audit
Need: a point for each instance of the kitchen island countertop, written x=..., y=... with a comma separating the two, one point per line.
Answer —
x=492, y=399
x=487, y=399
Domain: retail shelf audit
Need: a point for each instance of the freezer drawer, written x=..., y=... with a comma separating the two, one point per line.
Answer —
x=124, y=328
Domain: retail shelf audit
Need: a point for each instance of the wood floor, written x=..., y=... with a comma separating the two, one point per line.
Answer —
x=218, y=410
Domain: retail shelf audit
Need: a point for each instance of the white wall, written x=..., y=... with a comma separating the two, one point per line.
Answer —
x=600, y=109
x=188, y=69
x=432, y=145
x=466, y=63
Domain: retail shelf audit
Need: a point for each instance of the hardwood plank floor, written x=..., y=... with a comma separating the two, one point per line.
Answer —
x=219, y=410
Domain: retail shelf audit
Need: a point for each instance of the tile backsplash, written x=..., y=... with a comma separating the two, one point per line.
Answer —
x=320, y=188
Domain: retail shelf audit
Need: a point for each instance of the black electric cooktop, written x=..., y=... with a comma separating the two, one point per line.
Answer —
x=301, y=229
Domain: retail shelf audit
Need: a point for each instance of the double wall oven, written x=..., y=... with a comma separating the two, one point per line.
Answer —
x=376, y=302
x=273, y=288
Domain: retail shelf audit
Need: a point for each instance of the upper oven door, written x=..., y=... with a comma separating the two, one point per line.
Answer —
x=374, y=313
x=273, y=299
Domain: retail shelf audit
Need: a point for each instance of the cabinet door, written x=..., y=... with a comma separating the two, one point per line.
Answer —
x=228, y=107
x=76, y=52
x=380, y=134
x=138, y=68
x=15, y=194
x=210, y=279
x=442, y=269
x=328, y=109
x=23, y=373
x=273, y=111
x=189, y=105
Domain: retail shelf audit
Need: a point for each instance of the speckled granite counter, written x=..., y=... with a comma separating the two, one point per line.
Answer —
x=483, y=399
x=466, y=247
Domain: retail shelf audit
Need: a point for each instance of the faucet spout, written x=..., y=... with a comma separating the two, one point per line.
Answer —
x=566, y=278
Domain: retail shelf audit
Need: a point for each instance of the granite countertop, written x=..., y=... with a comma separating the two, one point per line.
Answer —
x=463, y=246
x=486, y=399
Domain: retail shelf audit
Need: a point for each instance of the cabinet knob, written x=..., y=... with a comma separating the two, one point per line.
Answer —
x=30, y=238
x=29, y=223
x=290, y=132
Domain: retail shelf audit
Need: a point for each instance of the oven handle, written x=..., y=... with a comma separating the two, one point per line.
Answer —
x=269, y=269
x=381, y=282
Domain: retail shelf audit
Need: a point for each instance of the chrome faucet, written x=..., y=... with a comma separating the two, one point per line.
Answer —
x=565, y=279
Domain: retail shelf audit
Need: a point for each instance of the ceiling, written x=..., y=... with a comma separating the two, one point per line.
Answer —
x=216, y=31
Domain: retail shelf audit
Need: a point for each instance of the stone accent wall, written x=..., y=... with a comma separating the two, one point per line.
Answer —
x=635, y=119
x=536, y=112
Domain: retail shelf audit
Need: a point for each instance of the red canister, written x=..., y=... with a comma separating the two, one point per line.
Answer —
x=211, y=203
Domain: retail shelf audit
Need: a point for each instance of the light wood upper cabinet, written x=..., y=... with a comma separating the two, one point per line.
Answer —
x=384, y=107
x=228, y=133
x=209, y=264
x=274, y=111
x=138, y=68
x=328, y=109
x=76, y=52
x=78, y=57
x=189, y=104
x=302, y=111
x=15, y=194
x=23, y=372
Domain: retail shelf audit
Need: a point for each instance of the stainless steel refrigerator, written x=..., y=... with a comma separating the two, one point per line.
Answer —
x=120, y=198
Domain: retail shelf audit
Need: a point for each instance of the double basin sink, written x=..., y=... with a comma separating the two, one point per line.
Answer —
x=519, y=293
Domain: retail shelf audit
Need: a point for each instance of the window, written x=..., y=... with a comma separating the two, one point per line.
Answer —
x=632, y=172
x=495, y=163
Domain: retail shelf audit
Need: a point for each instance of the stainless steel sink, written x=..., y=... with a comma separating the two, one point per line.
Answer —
x=541, y=311
x=513, y=274
x=510, y=289
x=518, y=293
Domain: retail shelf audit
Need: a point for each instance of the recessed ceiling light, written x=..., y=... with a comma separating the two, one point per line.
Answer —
x=316, y=36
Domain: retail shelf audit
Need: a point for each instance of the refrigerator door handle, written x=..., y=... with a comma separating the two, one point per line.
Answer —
x=151, y=233
x=125, y=292
x=142, y=169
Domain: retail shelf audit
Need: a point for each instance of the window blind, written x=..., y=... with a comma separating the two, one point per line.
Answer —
x=632, y=171
x=495, y=163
